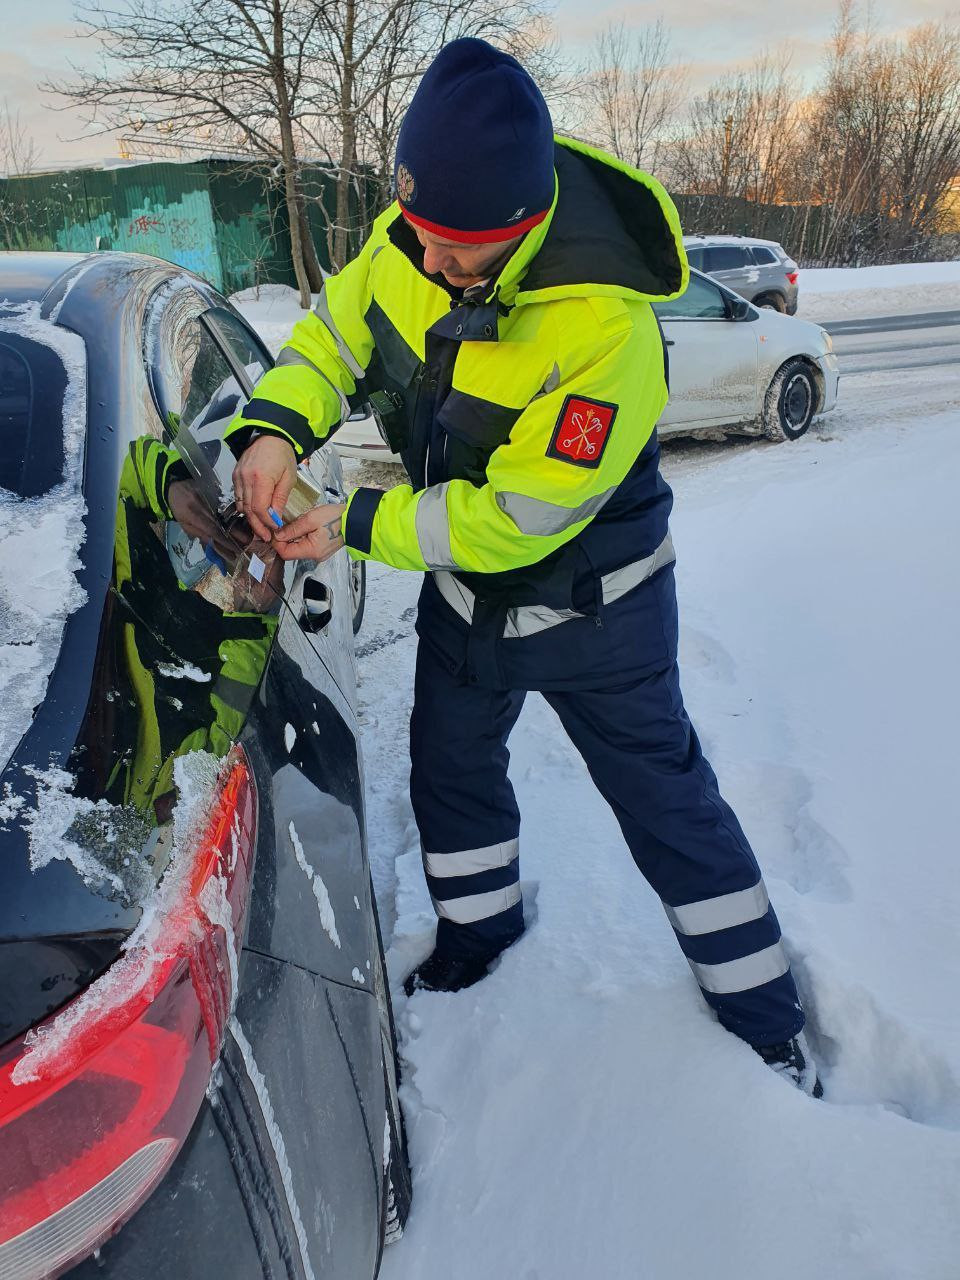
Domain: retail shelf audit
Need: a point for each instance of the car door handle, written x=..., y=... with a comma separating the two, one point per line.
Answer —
x=669, y=342
x=317, y=607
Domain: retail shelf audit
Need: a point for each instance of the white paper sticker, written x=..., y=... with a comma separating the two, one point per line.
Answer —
x=257, y=568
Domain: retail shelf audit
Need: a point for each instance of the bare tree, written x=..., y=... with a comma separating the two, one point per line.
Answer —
x=233, y=71
x=883, y=139
x=740, y=135
x=374, y=52
x=631, y=93
x=19, y=153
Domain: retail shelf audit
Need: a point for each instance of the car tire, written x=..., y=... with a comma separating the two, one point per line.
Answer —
x=398, y=1179
x=358, y=591
x=771, y=302
x=791, y=401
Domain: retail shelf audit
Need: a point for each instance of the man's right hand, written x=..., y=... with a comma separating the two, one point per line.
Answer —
x=264, y=477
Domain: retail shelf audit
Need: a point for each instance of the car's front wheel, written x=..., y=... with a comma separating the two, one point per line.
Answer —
x=790, y=402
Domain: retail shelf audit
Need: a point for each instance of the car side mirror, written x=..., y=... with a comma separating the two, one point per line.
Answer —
x=738, y=308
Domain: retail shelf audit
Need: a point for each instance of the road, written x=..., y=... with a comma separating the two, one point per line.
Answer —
x=930, y=338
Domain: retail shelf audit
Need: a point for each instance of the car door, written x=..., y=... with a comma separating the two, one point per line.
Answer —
x=713, y=359
x=307, y=1023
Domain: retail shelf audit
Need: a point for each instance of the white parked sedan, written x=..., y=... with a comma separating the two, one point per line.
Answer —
x=734, y=370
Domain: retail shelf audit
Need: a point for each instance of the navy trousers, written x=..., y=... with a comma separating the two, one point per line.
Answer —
x=645, y=759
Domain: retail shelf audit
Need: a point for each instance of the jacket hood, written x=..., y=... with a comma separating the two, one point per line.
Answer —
x=613, y=230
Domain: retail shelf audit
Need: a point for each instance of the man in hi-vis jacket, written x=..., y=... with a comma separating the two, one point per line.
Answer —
x=500, y=311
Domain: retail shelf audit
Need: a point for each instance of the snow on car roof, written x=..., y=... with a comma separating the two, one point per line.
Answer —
x=725, y=239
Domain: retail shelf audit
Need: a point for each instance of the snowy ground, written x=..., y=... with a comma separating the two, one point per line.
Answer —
x=848, y=293
x=580, y=1113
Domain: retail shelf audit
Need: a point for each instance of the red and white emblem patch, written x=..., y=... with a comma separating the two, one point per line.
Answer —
x=582, y=431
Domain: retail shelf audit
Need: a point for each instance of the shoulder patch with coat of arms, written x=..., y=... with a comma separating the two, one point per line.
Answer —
x=582, y=431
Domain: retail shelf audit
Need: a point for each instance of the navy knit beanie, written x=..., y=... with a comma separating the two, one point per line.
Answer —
x=475, y=153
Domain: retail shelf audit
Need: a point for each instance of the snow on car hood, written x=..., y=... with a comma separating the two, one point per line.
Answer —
x=40, y=539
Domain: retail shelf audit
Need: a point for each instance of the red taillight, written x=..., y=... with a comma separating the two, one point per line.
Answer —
x=793, y=276
x=95, y=1103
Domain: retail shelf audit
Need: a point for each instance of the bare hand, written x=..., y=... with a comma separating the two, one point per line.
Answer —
x=316, y=535
x=264, y=477
x=197, y=520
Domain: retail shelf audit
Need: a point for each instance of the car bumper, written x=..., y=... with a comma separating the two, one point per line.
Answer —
x=359, y=438
x=830, y=370
x=197, y=1223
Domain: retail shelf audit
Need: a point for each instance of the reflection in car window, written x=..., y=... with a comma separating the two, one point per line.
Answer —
x=695, y=258
x=726, y=257
x=700, y=301
x=244, y=346
x=192, y=380
x=763, y=256
x=176, y=668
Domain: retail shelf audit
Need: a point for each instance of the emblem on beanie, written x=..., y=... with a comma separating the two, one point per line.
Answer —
x=406, y=187
x=515, y=217
x=582, y=431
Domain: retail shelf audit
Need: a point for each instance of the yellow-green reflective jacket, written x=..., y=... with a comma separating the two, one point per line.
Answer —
x=154, y=626
x=524, y=411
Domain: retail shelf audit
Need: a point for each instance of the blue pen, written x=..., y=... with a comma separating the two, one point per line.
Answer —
x=274, y=517
x=215, y=559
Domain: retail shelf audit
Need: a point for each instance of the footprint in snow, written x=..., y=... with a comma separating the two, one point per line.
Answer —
x=867, y=1056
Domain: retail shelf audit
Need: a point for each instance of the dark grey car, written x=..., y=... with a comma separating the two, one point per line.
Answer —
x=198, y=1071
x=759, y=270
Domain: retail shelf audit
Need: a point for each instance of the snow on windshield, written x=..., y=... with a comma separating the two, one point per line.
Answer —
x=40, y=540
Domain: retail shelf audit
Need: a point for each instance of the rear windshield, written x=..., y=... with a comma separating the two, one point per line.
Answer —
x=33, y=382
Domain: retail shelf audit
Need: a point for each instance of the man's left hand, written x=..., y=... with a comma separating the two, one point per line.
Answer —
x=315, y=535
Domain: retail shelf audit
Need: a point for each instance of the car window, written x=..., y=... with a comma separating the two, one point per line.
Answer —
x=725, y=257
x=243, y=345
x=193, y=381
x=201, y=364
x=695, y=258
x=33, y=382
x=700, y=301
x=763, y=256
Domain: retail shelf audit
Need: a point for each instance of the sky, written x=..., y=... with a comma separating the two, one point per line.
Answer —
x=711, y=38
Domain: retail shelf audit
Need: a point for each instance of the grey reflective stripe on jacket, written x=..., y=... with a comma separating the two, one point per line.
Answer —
x=322, y=310
x=535, y=515
x=289, y=355
x=528, y=620
x=433, y=528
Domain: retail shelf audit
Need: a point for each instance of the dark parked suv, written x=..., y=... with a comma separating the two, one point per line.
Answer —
x=198, y=1071
x=759, y=270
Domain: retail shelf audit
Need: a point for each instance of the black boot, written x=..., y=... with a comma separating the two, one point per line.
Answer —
x=793, y=1060
x=446, y=973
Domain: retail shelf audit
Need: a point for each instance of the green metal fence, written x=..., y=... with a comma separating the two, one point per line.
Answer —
x=225, y=220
